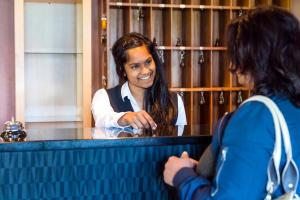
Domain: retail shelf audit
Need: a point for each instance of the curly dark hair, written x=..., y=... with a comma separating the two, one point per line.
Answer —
x=158, y=102
x=265, y=44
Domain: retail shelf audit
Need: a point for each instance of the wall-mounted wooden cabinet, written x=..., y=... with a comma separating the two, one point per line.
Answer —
x=53, y=62
x=190, y=35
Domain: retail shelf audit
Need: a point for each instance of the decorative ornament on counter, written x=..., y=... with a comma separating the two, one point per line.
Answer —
x=13, y=131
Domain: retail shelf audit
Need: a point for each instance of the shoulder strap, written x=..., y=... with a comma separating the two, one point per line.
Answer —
x=221, y=127
x=207, y=162
x=290, y=175
x=116, y=100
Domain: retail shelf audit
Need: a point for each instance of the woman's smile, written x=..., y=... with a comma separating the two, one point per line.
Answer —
x=145, y=77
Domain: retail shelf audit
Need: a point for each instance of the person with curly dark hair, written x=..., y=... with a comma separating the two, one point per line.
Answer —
x=264, y=51
x=143, y=101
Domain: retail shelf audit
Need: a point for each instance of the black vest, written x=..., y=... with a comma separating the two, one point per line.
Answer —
x=120, y=105
x=116, y=101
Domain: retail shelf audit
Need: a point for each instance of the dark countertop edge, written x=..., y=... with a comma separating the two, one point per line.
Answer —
x=101, y=143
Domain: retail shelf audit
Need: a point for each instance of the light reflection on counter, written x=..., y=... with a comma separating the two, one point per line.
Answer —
x=99, y=133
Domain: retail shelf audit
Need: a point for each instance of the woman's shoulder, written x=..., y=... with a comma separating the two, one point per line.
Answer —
x=101, y=91
x=248, y=123
x=100, y=95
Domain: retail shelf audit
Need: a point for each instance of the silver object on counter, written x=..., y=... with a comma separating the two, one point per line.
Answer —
x=13, y=131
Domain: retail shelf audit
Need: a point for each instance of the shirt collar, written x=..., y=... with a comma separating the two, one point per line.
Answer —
x=125, y=91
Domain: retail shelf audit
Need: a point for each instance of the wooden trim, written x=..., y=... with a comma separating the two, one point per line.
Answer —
x=97, y=51
x=209, y=89
x=54, y=1
x=7, y=61
x=87, y=62
x=176, y=6
x=19, y=59
x=79, y=64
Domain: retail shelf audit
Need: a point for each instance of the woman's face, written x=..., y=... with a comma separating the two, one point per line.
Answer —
x=245, y=80
x=140, y=68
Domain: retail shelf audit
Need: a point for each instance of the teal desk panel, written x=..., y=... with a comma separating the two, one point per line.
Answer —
x=91, y=169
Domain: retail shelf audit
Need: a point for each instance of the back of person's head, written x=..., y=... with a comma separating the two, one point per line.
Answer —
x=130, y=41
x=265, y=44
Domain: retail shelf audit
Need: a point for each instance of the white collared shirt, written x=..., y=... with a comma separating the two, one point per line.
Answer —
x=105, y=116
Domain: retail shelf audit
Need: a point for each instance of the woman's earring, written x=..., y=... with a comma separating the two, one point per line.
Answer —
x=124, y=74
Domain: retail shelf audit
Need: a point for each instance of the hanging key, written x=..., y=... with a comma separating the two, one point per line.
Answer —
x=140, y=14
x=239, y=97
x=179, y=42
x=181, y=58
x=241, y=13
x=221, y=98
x=217, y=42
x=181, y=94
x=202, y=99
x=161, y=55
x=155, y=42
x=201, y=58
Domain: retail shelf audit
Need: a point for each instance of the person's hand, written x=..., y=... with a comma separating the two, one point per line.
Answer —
x=138, y=120
x=186, y=155
x=174, y=164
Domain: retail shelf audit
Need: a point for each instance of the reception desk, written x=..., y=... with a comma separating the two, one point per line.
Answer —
x=86, y=164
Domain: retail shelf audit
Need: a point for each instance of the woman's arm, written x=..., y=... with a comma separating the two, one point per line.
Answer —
x=103, y=113
x=241, y=171
x=105, y=116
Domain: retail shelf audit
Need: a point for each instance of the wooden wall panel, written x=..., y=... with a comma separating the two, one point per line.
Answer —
x=295, y=8
x=7, y=61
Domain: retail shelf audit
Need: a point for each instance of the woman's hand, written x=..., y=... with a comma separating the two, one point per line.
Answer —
x=174, y=164
x=138, y=120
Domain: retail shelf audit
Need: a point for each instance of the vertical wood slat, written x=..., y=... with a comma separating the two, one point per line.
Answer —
x=188, y=37
x=87, y=62
x=19, y=59
x=7, y=61
x=211, y=104
x=230, y=75
x=97, y=51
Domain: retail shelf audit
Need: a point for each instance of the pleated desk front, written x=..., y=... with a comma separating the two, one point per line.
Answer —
x=83, y=168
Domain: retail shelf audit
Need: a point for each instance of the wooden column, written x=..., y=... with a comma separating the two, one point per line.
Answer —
x=7, y=61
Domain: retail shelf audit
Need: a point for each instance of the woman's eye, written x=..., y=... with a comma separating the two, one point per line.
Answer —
x=148, y=62
x=134, y=67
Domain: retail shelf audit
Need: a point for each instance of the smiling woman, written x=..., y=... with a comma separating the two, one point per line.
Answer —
x=143, y=101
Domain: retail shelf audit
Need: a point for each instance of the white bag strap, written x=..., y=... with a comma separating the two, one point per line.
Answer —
x=290, y=175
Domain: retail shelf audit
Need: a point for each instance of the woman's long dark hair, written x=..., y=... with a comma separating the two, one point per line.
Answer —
x=157, y=101
x=265, y=44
